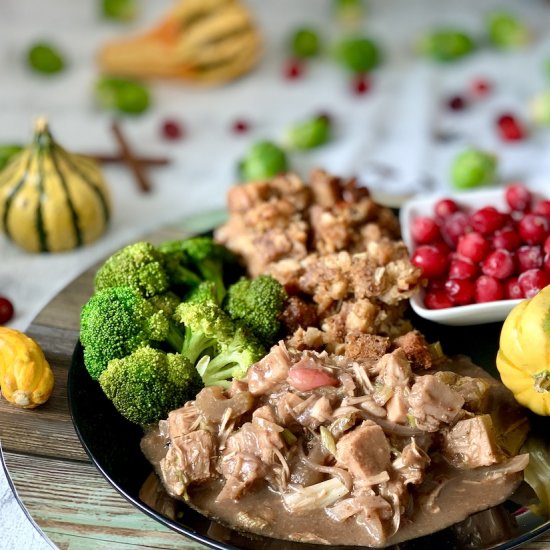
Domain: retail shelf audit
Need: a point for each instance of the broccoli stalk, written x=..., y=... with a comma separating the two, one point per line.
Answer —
x=146, y=385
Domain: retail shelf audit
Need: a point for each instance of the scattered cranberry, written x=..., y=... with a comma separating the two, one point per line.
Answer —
x=546, y=246
x=424, y=230
x=480, y=87
x=534, y=229
x=462, y=269
x=360, y=84
x=499, y=264
x=487, y=220
x=488, y=289
x=453, y=227
x=512, y=289
x=509, y=127
x=456, y=103
x=445, y=207
x=506, y=238
x=542, y=208
x=6, y=310
x=529, y=257
x=518, y=197
x=473, y=246
x=430, y=260
x=294, y=69
x=240, y=126
x=532, y=281
x=460, y=291
x=437, y=299
x=172, y=130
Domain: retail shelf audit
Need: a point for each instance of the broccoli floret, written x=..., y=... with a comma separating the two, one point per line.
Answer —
x=232, y=359
x=146, y=385
x=116, y=321
x=257, y=303
x=166, y=302
x=176, y=270
x=206, y=291
x=206, y=327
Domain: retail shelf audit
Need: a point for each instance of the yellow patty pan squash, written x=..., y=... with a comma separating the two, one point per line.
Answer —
x=523, y=359
x=26, y=379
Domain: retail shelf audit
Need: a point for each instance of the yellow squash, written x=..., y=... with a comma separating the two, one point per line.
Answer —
x=523, y=359
x=26, y=379
x=52, y=200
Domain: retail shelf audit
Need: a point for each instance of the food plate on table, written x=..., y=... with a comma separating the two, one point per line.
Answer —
x=346, y=413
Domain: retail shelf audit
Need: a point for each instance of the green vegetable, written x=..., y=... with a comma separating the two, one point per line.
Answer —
x=119, y=10
x=506, y=31
x=537, y=473
x=358, y=54
x=263, y=161
x=7, y=152
x=166, y=302
x=446, y=45
x=202, y=293
x=308, y=134
x=146, y=385
x=45, y=58
x=116, y=321
x=539, y=108
x=305, y=43
x=124, y=96
x=257, y=303
x=473, y=168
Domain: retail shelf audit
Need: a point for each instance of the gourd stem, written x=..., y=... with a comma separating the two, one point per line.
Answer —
x=41, y=124
x=542, y=381
x=42, y=137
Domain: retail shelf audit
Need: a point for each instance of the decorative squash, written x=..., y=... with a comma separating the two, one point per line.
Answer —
x=523, y=359
x=52, y=200
x=26, y=379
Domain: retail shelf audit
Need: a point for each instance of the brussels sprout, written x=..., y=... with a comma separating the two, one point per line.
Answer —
x=263, y=161
x=305, y=43
x=45, y=58
x=308, y=134
x=7, y=152
x=358, y=54
x=125, y=96
x=506, y=31
x=446, y=44
x=473, y=168
x=119, y=10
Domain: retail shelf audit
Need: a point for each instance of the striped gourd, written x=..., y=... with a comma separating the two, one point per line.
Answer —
x=52, y=200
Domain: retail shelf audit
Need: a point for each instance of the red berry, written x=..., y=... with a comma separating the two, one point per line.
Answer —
x=533, y=229
x=453, y=227
x=546, y=263
x=506, y=238
x=460, y=291
x=529, y=257
x=499, y=264
x=432, y=262
x=437, y=299
x=488, y=289
x=445, y=207
x=360, y=84
x=546, y=246
x=518, y=197
x=512, y=290
x=480, y=87
x=487, y=220
x=442, y=247
x=473, y=246
x=532, y=281
x=461, y=268
x=172, y=130
x=436, y=284
x=294, y=69
x=424, y=230
x=509, y=127
x=240, y=126
x=6, y=310
x=542, y=208
x=456, y=103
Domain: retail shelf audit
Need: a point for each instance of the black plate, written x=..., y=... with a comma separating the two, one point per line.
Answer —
x=113, y=446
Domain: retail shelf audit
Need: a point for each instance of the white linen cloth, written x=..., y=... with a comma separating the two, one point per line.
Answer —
x=392, y=125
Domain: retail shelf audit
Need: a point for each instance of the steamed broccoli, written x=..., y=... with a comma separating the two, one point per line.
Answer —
x=206, y=291
x=167, y=302
x=146, y=385
x=116, y=321
x=257, y=303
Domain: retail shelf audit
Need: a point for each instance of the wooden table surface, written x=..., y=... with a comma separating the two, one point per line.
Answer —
x=54, y=478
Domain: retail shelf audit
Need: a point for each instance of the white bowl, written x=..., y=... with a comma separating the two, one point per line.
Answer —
x=473, y=314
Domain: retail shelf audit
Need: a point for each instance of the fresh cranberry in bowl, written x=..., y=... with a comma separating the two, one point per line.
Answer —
x=499, y=264
x=424, y=230
x=533, y=228
x=473, y=246
x=546, y=246
x=542, y=208
x=488, y=289
x=532, y=281
x=452, y=227
x=432, y=262
x=460, y=291
x=487, y=220
x=512, y=289
x=518, y=197
x=461, y=268
x=437, y=299
x=444, y=208
x=506, y=238
x=529, y=257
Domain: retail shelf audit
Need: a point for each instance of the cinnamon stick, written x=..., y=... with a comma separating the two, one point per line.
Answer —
x=106, y=158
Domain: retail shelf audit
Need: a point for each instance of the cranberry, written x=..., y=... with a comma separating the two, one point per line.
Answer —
x=533, y=229
x=294, y=69
x=456, y=103
x=487, y=220
x=424, y=230
x=488, y=289
x=432, y=262
x=532, y=281
x=546, y=246
x=442, y=246
x=436, y=284
x=461, y=268
x=460, y=291
x=510, y=128
x=172, y=130
x=480, y=87
x=546, y=263
x=542, y=208
x=360, y=84
x=453, y=227
x=437, y=299
x=529, y=257
x=473, y=246
x=240, y=126
x=512, y=289
x=6, y=310
x=518, y=197
x=445, y=207
x=506, y=238
x=499, y=264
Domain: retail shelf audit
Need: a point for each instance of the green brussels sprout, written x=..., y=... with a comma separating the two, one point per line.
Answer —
x=446, y=44
x=7, y=152
x=45, y=58
x=358, y=54
x=124, y=96
x=539, y=108
x=119, y=10
x=506, y=31
x=305, y=43
x=263, y=161
x=308, y=134
x=473, y=168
